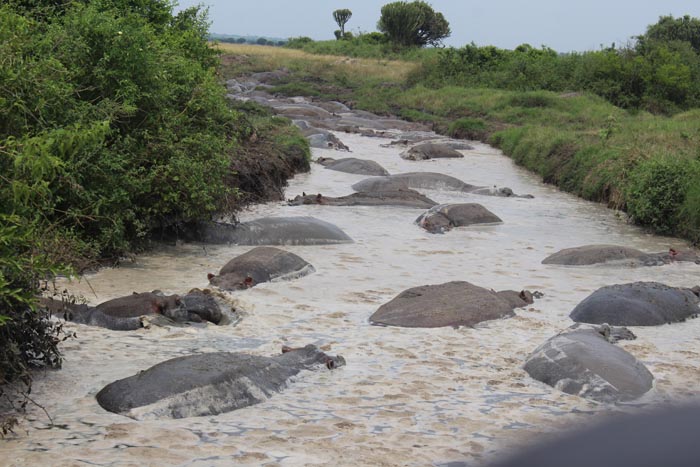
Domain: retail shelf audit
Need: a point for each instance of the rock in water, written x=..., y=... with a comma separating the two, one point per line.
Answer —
x=583, y=363
x=427, y=151
x=208, y=384
x=450, y=304
x=261, y=264
x=637, y=304
x=444, y=217
x=405, y=198
x=592, y=254
x=353, y=165
x=271, y=231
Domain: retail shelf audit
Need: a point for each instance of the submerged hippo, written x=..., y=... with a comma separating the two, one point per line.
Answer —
x=406, y=198
x=582, y=362
x=270, y=231
x=638, y=304
x=596, y=254
x=261, y=264
x=415, y=180
x=208, y=384
x=592, y=254
x=427, y=151
x=451, y=304
x=353, y=165
x=323, y=139
x=429, y=181
x=130, y=312
x=444, y=217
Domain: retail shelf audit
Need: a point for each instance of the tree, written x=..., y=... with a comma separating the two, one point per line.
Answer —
x=413, y=24
x=668, y=29
x=341, y=17
x=261, y=41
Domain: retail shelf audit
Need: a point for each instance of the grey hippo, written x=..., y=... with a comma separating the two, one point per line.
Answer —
x=427, y=151
x=638, y=304
x=582, y=361
x=429, y=181
x=268, y=231
x=352, y=165
x=596, y=254
x=261, y=264
x=455, y=304
x=134, y=311
x=404, y=198
x=444, y=217
x=210, y=383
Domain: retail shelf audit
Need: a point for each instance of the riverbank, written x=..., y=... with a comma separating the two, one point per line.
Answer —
x=643, y=164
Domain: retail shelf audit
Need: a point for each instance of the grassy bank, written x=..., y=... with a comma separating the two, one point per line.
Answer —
x=647, y=165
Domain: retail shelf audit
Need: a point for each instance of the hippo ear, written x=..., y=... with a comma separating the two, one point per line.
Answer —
x=210, y=276
x=156, y=307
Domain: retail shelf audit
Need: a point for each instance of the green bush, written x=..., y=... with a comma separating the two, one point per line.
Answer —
x=657, y=190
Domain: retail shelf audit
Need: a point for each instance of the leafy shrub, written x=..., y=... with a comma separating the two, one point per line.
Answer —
x=656, y=191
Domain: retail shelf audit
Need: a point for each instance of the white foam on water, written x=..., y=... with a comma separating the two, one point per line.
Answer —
x=406, y=396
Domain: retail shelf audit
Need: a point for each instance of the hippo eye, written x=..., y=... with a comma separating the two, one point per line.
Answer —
x=330, y=364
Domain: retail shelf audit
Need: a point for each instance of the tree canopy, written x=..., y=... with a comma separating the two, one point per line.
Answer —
x=413, y=24
x=670, y=29
x=341, y=17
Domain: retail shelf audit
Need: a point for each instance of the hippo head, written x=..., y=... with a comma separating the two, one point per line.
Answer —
x=307, y=199
x=232, y=281
x=312, y=354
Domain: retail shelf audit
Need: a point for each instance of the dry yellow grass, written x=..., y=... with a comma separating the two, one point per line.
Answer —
x=267, y=58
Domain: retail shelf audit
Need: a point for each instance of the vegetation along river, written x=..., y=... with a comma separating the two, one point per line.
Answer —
x=407, y=396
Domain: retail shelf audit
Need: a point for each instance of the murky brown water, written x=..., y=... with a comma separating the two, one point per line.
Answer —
x=407, y=396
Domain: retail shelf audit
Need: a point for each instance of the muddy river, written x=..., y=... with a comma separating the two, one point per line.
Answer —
x=407, y=396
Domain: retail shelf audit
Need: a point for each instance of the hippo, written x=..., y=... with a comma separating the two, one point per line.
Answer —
x=429, y=181
x=638, y=304
x=302, y=110
x=325, y=140
x=353, y=165
x=138, y=309
x=503, y=192
x=208, y=384
x=454, y=304
x=431, y=150
x=582, y=362
x=444, y=217
x=268, y=231
x=261, y=264
x=405, y=198
x=415, y=180
x=595, y=254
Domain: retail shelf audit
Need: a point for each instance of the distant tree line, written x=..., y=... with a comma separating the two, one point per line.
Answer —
x=243, y=40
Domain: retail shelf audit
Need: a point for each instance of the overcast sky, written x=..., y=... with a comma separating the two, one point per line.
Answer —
x=564, y=25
